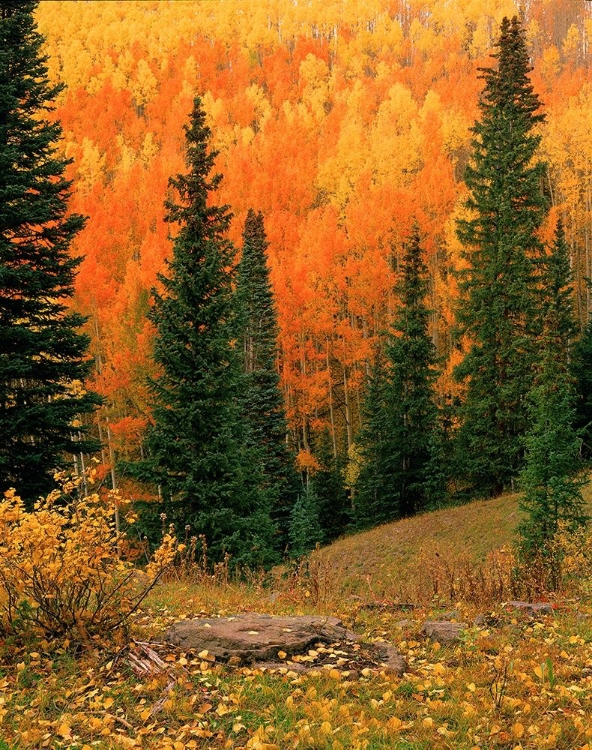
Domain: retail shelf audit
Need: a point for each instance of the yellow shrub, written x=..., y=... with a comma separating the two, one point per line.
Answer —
x=60, y=569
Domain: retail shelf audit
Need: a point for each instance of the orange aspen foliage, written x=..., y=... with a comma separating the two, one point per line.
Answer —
x=341, y=122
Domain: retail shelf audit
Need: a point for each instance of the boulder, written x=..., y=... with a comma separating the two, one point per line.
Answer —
x=252, y=637
x=443, y=631
x=390, y=659
x=532, y=609
x=285, y=644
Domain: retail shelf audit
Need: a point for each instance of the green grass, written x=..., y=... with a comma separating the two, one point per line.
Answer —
x=476, y=528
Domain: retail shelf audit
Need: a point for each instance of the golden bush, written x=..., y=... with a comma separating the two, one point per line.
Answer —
x=61, y=570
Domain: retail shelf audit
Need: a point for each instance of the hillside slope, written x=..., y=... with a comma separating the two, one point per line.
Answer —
x=395, y=558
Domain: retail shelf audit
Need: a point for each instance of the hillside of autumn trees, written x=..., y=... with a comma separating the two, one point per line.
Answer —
x=341, y=122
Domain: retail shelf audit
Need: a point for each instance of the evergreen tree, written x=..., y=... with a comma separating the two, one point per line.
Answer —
x=199, y=452
x=400, y=474
x=378, y=483
x=305, y=529
x=263, y=406
x=550, y=478
x=42, y=352
x=580, y=353
x=328, y=485
x=581, y=370
x=558, y=291
x=499, y=308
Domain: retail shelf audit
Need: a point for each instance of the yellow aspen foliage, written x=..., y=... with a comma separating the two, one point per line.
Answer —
x=145, y=86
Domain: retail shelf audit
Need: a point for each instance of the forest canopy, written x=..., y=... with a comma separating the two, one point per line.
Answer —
x=341, y=124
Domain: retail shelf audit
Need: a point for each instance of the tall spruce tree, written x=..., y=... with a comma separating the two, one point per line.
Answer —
x=199, y=452
x=305, y=528
x=551, y=479
x=42, y=352
x=558, y=292
x=378, y=483
x=263, y=406
x=400, y=474
x=328, y=486
x=580, y=363
x=581, y=370
x=499, y=306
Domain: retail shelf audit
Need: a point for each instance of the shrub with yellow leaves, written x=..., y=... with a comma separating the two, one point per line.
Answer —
x=573, y=549
x=61, y=571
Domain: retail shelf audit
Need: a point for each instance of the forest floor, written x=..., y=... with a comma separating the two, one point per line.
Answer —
x=512, y=682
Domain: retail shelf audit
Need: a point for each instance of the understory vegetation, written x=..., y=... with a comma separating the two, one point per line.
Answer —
x=512, y=681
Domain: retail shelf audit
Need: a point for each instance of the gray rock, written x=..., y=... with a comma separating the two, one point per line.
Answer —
x=532, y=609
x=442, y=631
x=257, y=640
x=253, y=637
x=391, y=660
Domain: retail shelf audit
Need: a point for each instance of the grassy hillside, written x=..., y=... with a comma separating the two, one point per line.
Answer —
x=396, y=560
x=389, y=553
